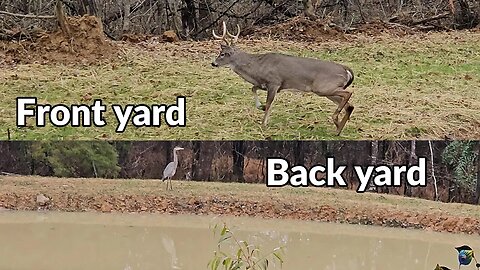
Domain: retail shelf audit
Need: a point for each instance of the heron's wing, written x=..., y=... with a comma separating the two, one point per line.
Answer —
x=169, y=171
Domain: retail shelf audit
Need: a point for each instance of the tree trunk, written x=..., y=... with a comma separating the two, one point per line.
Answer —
x=89, y=7
x=126, y=16
x=61, y=18
x=189, y=20
x=202, y=163
x=238, y=153
x=325, y=151
x=477, y=190
x=374, y=157
x=465, y=17
x=433, y=170
x=175, y=20
x=411, y=159
x=309, y=8
x=299, y=154
x=374, y=152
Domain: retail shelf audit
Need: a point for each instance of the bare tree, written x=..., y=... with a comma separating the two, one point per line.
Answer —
x=433, y=170
x=309, y=8
x=202, y=162
x=238, y=153
x=126, y=16
x=477, y=190
x=411, y=160
x=194, y=18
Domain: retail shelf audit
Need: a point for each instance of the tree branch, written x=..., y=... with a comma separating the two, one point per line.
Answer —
x=30, y=16
x=217, y=19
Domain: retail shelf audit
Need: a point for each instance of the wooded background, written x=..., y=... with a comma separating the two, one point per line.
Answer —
x=454, y=176
x=194, y=19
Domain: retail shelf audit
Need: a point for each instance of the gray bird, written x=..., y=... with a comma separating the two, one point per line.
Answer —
x=171, y=168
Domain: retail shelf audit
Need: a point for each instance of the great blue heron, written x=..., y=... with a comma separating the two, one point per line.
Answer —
x=171, y=168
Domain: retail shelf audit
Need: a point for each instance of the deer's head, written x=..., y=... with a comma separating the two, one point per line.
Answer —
x=228, y=49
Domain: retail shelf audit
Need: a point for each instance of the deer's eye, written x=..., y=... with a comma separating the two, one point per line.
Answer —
x=222, y=54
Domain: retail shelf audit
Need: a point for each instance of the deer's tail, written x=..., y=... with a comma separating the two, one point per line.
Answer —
x=350, y=77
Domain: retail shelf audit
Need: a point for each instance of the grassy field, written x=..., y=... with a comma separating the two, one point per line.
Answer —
x=423, y=86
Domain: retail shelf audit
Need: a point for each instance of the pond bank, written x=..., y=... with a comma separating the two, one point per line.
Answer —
x=234, y=199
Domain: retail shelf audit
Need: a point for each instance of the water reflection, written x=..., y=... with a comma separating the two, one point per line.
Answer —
x=31, y=240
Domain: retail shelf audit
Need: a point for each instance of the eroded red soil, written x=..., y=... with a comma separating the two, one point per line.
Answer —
x=18, y=193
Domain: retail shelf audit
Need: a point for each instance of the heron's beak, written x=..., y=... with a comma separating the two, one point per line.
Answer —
x=181, y=148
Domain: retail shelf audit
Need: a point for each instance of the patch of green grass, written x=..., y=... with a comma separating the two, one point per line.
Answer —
x=422, y=86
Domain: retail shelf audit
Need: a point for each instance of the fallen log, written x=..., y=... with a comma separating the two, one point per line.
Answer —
x=430, y=19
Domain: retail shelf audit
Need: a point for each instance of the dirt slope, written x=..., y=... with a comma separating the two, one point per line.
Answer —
x=87, y=44
x=319, y=204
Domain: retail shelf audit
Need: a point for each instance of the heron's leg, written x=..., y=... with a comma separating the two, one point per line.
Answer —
x=167, y=183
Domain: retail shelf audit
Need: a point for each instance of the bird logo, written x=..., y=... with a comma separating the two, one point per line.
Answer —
x=465, y=256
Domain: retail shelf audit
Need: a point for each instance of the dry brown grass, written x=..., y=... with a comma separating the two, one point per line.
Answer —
x=301, y=197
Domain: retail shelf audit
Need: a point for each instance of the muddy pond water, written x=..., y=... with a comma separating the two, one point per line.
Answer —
x=56, y=240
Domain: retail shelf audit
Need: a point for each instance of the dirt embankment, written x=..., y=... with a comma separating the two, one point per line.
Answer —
x=86, y=43
x=317, y=204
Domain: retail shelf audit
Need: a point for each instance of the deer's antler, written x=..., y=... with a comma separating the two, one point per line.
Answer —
x=222, y=37
x=234, y=37
x=225, y=33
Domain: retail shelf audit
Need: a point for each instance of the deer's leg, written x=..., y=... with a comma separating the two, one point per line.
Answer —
x=258, y=105
x=270, y=97
x=345, y=95
x=348, y=111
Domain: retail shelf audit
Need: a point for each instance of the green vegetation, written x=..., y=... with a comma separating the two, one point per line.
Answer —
x=245, y=256
x=461, y=156
x=421, y=86
x=78, y=158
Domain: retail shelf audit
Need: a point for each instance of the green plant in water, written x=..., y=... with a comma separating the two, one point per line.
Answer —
x=245, y=256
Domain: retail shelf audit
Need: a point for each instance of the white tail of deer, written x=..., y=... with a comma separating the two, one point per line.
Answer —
x=274, y=72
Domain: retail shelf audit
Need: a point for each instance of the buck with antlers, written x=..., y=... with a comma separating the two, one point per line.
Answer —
x=274, y=72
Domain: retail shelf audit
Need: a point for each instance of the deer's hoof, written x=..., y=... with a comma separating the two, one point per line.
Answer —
x=261, y=107
x=349, y=111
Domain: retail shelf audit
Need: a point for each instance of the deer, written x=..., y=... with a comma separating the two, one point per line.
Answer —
x=273, y=72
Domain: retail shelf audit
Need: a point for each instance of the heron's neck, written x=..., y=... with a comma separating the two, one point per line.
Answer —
x=175, y=158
